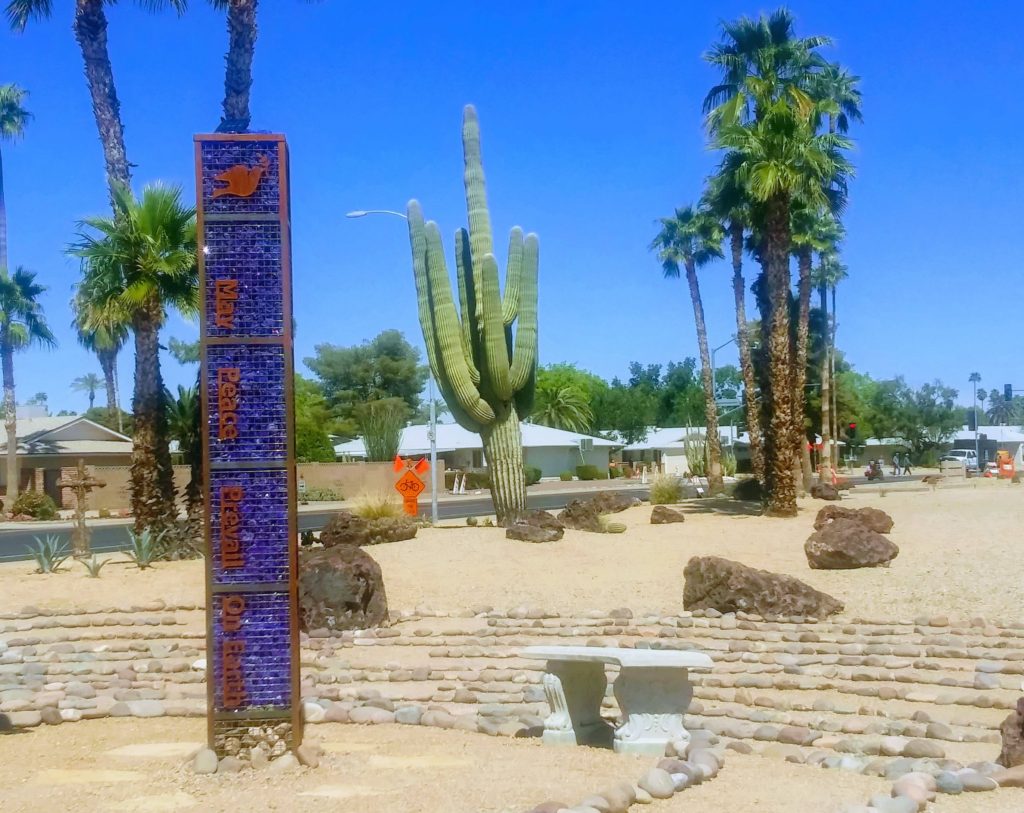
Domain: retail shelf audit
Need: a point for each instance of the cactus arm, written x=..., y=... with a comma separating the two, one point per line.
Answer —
x=467, y=299
x=476, y=200
x=524, y=396
x=449, y=333
x=524, y=356
x=495, y=350
x=510, y=302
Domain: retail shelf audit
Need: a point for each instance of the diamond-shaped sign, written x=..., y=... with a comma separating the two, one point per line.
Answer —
x=409, y=485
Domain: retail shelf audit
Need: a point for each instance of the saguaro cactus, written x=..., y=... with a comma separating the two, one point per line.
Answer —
x=485, y=373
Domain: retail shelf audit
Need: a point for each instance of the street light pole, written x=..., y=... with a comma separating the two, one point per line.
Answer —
x=714, y=377
x=365, y=212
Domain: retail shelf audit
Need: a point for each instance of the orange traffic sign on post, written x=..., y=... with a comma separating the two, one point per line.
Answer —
x=410, y=487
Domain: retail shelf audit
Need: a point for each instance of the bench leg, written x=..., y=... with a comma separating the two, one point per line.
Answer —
x=652, y=701
x=574, y=691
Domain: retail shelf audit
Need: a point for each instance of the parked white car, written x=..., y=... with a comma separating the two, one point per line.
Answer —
x=968, y=457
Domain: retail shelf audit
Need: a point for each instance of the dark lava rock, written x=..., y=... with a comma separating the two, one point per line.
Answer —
x=345, y=528
x=824, y=491
x=873, y=519
x=535, y=526
x=340, y=588
x=585, y=515
x=727, y=586
x=844, y=544
x=663, y=515
x=1012, y=732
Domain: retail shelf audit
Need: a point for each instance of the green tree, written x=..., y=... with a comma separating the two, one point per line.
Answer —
x=103, y=331
x=924, y=418
x=184, y=424
x=90, y=27
x=13, y=120
x=563, y=407
x=144, y=261
x=312, y=417
x=183, y=352
x=88, y=383
x=693, y=238
x=385, y=367
x=681, y=399
x=22, y=324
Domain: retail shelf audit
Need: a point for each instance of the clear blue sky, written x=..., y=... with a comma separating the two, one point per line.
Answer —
x=591, y=130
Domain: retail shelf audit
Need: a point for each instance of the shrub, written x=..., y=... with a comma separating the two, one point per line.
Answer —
x=565, y=476
x=377, y=506
x=471, y=522
x=322, y=495
x=35, y=504
x=382, y=423
x=93, y=566
x=729, y=463
x=104, y=513
x=695, y=447
x=588, y=472
x=533, y=475
x=928, y=459
x=666, y=489
x=144, y=548
x=749, y=490
x=49, y=553
x=474, y=479
x=613, y=472
x=627, y=471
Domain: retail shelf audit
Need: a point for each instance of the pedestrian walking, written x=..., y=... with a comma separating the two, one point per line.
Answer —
x=906, y=463
x=895, y=463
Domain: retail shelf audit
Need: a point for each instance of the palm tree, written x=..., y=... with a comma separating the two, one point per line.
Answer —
x=241, y=16
x=563, y=408
x=22, y=324
x=184, y=426
x=103, y=331
x=143, y=261
x=826, y=275
x=13, y=118
x=90, y=26
x=837, y=89
x=88, y=383
x=693, y=237
x=727, y=199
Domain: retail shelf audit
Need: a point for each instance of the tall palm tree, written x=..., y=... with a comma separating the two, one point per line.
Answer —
x=184, y=426
x=88, y=383
x=103, y=330
x=143, y=260
x=825, y=276
x=782, y=160
x=90, y=27
x=242, y=31
x=726, y=197
x=838, y=89
x=13, y=119
x=562, y=408
x=22, y=324
x=693, y=237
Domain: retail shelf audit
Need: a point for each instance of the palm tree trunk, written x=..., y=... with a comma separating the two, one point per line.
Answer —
x=746, y=362
x=714, y=444
x=503, y=450
x=107, y=362
x=10, y=419
x=117, y=398
x=91, y=32
x=3, y=218
x=832, y=369
x=781, y=484
x=152, y=482
x=825, y=470
x=238, y=72
x=800, y=363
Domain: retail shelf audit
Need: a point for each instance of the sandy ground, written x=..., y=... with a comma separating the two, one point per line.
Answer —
x=959, y=556
x=120, y=765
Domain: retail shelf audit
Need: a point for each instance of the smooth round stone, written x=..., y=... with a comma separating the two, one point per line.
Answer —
x=923, y=749
x=947, y=782
x=205, y=762
x=853, y=764
x=658, y=783
x=893, y=804
x=598, y=803
x=892, y=746
x=313, y=712
x=643, y=797
x=974, y=782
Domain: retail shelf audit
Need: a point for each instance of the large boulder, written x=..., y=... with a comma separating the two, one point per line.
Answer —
x=824, y=491
x=663, y=515
x=873, y=519
x=585, y=514
x=1012, y=732
x=844, y=544
x=535, y=526
x=610, y=502
x=346, y=528
x=711, y=582
x=340, y=588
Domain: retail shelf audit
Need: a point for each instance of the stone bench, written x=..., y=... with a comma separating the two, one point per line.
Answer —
x=653, y=691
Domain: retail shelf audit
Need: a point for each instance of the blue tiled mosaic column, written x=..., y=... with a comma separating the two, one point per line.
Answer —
x=248, y=437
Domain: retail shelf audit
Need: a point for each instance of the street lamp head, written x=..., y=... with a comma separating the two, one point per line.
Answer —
x=356, y=213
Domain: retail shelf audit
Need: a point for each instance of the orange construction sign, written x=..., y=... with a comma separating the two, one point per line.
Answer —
x=410, y=487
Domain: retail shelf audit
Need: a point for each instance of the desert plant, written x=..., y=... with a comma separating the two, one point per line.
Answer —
x=695, y=448
x=666, y=489
x=565, y=476
x=728, y=463
x=35, y=504
x=382, y=423
x=609, y=526
x=533, y=475
x=486, y=375
x=588, y=472
x=144, y=547
x=471, y=522
x=93, y=566
x=49, y=553
x=104, y=513
x=378, y=505
x=322, y=495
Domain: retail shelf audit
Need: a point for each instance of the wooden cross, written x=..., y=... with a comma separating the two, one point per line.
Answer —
x=82, y=483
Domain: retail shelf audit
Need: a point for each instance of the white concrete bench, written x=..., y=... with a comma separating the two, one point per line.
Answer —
x=653, y=691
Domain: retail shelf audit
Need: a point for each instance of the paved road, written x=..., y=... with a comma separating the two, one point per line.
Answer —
x=107, y=538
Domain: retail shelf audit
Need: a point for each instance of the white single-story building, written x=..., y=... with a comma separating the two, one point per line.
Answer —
x=553, y=451
x=665, y=448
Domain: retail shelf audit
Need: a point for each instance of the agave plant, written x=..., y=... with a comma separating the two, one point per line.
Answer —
x=49, y=553
x=93, y=566
x=144, y=547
